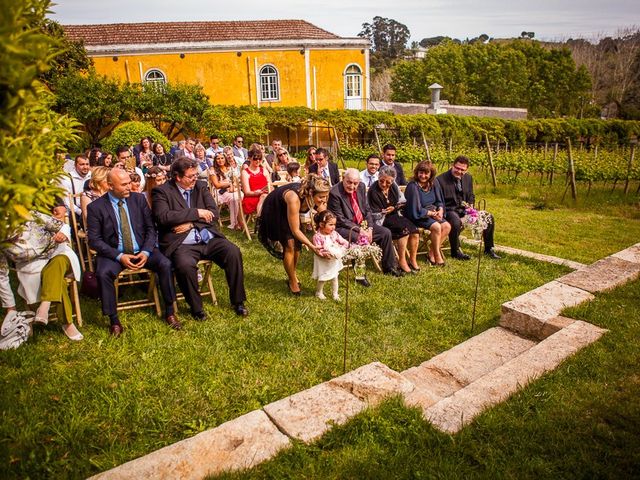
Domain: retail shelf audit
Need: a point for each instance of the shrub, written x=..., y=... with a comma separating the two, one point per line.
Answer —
x=130, y=133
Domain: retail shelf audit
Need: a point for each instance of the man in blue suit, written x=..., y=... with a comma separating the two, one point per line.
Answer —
x=121, y=231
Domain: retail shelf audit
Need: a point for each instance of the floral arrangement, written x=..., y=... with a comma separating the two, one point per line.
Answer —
x=476, y=220
x=360, y=250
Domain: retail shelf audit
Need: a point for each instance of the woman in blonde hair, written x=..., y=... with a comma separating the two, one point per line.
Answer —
x=98, y=186
x=283, y=211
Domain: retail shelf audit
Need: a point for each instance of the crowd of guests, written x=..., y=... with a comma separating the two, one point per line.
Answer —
x=145, y=208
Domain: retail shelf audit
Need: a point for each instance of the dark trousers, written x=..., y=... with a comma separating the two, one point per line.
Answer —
x=224, y=254
x=456, y=226
x=107, y=270
x=382, y=238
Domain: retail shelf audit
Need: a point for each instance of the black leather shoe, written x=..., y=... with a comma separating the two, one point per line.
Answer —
x=363, y=281
x=461, y=256
x=199, y=316
x=240, y=309
x=491, y=253
x=394, y=272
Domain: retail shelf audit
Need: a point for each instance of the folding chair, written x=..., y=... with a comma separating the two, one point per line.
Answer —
x=206, y=285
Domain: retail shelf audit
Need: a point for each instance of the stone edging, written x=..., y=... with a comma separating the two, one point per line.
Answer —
x=452, y=388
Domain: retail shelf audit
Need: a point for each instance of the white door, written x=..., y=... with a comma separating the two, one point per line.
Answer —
x=353, y=88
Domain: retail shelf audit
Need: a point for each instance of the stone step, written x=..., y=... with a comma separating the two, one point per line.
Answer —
x=631, y=254
x=452, y=370
x=605, y=274
x=238, y=444
x=307, y=415
x=459, y=409
x=535, y=314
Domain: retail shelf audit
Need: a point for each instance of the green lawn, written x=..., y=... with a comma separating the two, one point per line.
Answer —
x=71, y=410
x=580, y=421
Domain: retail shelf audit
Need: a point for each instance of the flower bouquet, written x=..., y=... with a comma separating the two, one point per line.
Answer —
x=360, y=250
x=476, y=220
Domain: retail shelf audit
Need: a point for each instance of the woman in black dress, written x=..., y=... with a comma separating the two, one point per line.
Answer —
x=283, y=211
x=384, y=197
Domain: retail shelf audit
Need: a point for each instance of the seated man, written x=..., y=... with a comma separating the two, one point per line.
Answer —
x=122, y=233
x=389, y=158
x=187, y=227
x=457, y=187
x=348, y=201
x=323, y=167
x=369, y=175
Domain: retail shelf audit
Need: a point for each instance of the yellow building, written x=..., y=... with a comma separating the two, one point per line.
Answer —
x=282, y=63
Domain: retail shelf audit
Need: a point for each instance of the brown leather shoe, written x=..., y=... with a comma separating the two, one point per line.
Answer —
x=173, y=322
x=116, y=330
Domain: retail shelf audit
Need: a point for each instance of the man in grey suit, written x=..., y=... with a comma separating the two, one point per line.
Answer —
x=348, y=201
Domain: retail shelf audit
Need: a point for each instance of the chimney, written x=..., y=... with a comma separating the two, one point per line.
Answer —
x=435, y=95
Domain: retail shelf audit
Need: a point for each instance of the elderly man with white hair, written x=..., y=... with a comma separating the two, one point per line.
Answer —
x=348, y=201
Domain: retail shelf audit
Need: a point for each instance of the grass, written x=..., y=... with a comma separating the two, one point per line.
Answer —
x=580, y=421
x=72, y=410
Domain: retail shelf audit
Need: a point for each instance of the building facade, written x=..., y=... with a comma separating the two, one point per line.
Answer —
x=284, y=63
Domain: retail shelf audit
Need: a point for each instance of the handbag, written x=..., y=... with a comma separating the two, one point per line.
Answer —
x=89, y=285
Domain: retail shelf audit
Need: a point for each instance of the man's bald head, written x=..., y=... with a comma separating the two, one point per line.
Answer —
x=119, y=183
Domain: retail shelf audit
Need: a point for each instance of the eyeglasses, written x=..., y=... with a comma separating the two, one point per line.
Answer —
x=256, y=158
x=215, y=143
x=239, y=141
x=282, y=154
x=190, y=177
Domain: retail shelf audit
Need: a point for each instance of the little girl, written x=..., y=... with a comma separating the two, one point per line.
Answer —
x=293, y=172
x=330, y=242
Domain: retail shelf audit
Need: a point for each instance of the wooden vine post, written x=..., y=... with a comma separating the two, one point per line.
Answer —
x=629, y=167
x=553, y=163
x=571, y=174
x=491, y=167
x=375, y=131
x=426, y=147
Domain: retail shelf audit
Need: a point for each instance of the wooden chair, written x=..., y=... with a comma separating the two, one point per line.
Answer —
x=80, y=241
x=221, y=206
x=206, y=285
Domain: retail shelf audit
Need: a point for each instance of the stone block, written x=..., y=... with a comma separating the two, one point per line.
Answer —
x=238, y=444
x=527, y=314
x=458, y=410
x=450, y=371
x=554, y=325
x=605, y=274
x=373, y=382
x=308, y=414
x=631, y=254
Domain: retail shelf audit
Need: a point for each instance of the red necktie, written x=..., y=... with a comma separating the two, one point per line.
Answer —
x=357, y=213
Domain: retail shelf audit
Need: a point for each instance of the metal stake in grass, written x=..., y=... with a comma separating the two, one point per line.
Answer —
x=482, y=202
x=346, y=314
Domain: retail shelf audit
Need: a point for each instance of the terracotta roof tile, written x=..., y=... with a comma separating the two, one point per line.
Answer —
x=168, y=32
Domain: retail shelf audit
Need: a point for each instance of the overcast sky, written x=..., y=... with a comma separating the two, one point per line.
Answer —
x=549, y=19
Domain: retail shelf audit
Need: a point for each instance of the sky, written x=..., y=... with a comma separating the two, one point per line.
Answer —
x=548, y=19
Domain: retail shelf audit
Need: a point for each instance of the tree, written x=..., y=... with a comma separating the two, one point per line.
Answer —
x=72, y=59
x=173, y=109
x=98, y=102
x=388, y=39
x=30, y=132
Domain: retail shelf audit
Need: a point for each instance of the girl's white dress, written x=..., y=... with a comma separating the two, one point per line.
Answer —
x=327, y=268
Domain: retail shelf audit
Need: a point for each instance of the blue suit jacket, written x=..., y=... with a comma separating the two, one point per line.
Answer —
x=103, y=225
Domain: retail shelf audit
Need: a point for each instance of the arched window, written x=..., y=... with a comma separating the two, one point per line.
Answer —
x=155, y=76
x=353, y=87
x=269, y=84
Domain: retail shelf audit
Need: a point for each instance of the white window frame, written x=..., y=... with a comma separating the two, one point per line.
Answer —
x=350, y=76
x=155, y=81
x=269, y=84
